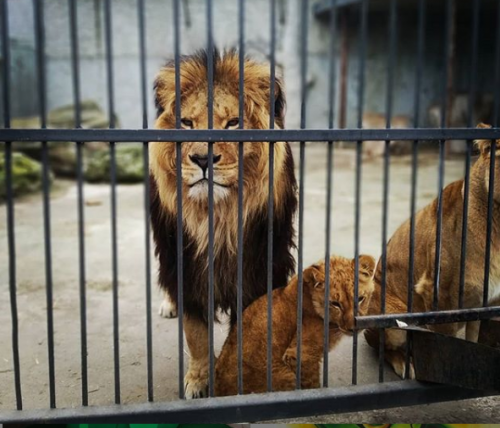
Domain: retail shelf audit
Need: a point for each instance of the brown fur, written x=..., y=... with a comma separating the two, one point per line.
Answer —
x=284, y=341
x=193, y=82
x=425, y=243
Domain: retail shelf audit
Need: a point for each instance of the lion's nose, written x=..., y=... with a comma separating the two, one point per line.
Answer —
x=202, y=160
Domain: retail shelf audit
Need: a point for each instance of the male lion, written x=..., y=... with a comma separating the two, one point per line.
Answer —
x=193, y=81
x=425, y=247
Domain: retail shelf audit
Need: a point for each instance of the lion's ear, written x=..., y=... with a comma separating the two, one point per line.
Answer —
x=164, y=89
x=314, y=275
x=279, y=102
x=484, y=146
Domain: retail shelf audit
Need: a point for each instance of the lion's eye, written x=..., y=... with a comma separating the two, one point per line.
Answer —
x=187, y=122
x=232, y=122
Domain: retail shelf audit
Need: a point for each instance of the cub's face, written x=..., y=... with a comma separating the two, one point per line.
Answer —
x=341, y=300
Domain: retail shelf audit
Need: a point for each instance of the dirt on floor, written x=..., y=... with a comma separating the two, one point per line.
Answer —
x=31, y=280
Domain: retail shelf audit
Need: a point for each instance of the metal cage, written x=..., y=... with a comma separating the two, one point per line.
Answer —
x=243, y=408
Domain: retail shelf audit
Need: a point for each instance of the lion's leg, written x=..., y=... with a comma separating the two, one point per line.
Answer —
x=472, y=331
x=196, y=379
x=168, y=307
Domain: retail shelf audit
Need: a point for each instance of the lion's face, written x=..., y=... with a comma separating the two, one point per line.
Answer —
x=194, y=115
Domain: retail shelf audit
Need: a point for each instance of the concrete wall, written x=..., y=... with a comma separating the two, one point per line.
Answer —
x=159, y=36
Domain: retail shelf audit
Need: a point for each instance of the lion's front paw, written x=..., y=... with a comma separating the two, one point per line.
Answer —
x=195, y=384
x=290, y=358
x=168, y=309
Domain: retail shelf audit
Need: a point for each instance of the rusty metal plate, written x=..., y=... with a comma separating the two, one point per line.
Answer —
x=449, y=360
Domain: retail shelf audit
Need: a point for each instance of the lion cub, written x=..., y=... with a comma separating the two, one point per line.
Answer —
x=285, y=328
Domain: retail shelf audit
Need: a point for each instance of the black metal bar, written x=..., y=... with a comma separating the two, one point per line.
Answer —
x=489, y=223
x=247, y=135
x=180, y=227
x=496, y=114
x=211, y=304
x=38, y=7
x=143, y=67
x=147, y=227
x=392, y=35
x=363, y=30
x=73, y=28
x=241, y=151
x=439, y=228
x=329, y=170
x=270, y=200
x=414, y=172
x=257, y=407
x=423, y=318
x=10, y=203
x=303, y=112
x=114, y=245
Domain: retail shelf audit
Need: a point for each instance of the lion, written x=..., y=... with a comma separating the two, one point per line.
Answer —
x=284, y=340
x=425, y=248
x=193, y=82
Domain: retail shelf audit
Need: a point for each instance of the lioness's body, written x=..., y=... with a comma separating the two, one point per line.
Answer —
x=425, y=246
x=284, y=334
x=195, y=203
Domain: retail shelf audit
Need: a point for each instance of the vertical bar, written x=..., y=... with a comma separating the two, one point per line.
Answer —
x=390, y=87
x=81, y=219
x=145, y=155
x=303, y=94
x=472, y=96
x=329, y=169
x=114, y=247
x=270, y=200
x=437, y=258
x=180, y=227
x=241, y=149
x=211, y=309
x=38, y=6
x=491, y=190
x=10, y=204
x=414, y=171
x=359, y=148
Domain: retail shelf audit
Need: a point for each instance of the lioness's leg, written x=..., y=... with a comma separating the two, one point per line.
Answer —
x=168, y=308
x=196, y=379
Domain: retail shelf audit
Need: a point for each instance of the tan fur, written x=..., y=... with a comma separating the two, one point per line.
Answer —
x=425, y=244
x=284, y=341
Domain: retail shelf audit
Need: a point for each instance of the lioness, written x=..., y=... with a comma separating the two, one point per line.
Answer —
x=284, y=341
x=193, y=81
x=425, y=247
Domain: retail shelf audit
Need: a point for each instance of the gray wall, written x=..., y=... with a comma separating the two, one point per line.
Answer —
x=159, y=35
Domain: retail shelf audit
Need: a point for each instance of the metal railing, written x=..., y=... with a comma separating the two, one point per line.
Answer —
x=273, y=405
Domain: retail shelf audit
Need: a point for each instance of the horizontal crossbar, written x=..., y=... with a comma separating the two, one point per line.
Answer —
x=247, y=135
x=256, y=407
x=423, y=318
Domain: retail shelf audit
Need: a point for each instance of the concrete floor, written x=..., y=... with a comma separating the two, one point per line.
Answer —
x=132, y=308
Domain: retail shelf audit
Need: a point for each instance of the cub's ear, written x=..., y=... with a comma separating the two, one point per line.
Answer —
x=314, y=275
x=484, y=146
x=366, y=265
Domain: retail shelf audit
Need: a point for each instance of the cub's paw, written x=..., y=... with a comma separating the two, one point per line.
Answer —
x=195, y=385
x=290, y=358
x=168, y=309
